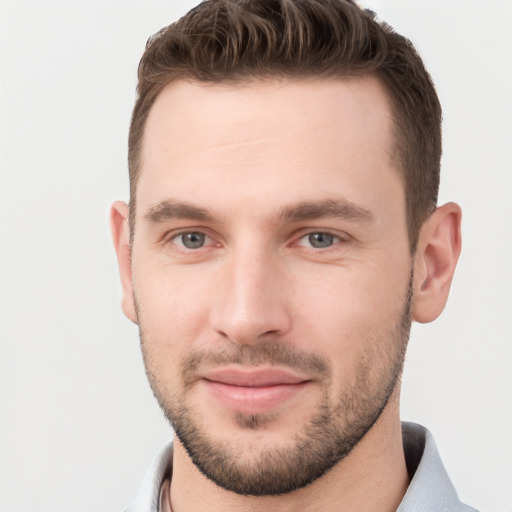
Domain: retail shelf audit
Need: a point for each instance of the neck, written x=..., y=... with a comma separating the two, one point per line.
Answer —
x=372, y=477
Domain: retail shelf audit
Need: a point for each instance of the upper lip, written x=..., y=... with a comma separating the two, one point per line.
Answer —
x=253, y=377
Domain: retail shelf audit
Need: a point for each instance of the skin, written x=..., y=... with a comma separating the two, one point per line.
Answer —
x=243, y=156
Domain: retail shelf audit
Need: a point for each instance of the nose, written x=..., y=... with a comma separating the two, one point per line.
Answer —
x=250, y=303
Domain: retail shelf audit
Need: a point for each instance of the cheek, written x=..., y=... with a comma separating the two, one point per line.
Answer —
x=172, y=306
x=346, y=311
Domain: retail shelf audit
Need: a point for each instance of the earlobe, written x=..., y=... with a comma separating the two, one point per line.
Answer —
x=121, y=237
x=436, y=256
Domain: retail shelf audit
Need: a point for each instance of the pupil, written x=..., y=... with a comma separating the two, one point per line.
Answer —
x=193, y=240
x=320, y=240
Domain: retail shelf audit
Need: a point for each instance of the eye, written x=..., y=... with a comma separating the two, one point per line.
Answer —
x=191, y=240
x=319, y=240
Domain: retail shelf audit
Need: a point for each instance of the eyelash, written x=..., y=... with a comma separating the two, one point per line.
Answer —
x=182, y=246
x=337, y=238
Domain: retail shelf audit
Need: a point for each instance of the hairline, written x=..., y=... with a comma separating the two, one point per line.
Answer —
x=395, y=152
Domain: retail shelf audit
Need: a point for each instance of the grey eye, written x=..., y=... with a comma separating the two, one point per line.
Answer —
x=191, y=240
x=321, y=240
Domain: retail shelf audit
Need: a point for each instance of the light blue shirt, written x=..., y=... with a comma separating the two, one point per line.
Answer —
x=430, y=489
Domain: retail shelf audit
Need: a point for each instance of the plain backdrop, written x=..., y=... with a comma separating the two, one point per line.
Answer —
x=78, y=422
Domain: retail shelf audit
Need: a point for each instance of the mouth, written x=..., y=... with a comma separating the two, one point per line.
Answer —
x=254, y=391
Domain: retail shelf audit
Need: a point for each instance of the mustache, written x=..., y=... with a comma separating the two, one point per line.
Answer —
x=267, y=353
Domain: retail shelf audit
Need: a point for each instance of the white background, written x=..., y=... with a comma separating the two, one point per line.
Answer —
x=78, y=423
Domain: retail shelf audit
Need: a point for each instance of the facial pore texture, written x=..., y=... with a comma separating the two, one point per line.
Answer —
x=338, y=422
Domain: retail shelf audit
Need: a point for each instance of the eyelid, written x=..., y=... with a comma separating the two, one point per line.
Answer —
x=297, y=236
x=169, y=237
x=341, y=237
x=184, y=247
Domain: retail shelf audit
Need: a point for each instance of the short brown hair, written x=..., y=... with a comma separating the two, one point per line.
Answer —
x=238, y=41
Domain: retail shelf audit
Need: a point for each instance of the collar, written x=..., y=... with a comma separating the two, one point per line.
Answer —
x=430, y=489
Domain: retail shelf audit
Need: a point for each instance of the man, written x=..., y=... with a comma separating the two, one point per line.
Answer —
x=282, y=233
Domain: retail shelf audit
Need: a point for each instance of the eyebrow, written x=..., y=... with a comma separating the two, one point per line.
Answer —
x=307, y=210
x=310, y=210
x=169, y=209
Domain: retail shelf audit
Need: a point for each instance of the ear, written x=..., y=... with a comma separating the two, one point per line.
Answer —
x=121, y=236
x=435, y=260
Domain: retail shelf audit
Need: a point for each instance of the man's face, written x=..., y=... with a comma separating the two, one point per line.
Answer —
x=271, y=274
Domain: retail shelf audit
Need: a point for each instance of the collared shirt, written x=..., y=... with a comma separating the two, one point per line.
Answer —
x=430, y=489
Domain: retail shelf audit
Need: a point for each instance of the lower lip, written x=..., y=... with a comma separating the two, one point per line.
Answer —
x=254, y=400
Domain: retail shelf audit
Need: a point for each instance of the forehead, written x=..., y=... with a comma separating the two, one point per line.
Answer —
x=303, y=109
x=274, y=131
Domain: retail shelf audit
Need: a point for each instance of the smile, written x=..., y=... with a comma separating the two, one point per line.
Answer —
x=254, y=391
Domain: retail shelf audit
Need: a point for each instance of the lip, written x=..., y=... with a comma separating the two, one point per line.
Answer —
x=253, y=377
x=253, y=391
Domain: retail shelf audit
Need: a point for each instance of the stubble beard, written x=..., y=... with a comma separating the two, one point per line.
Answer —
x=330, y=434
